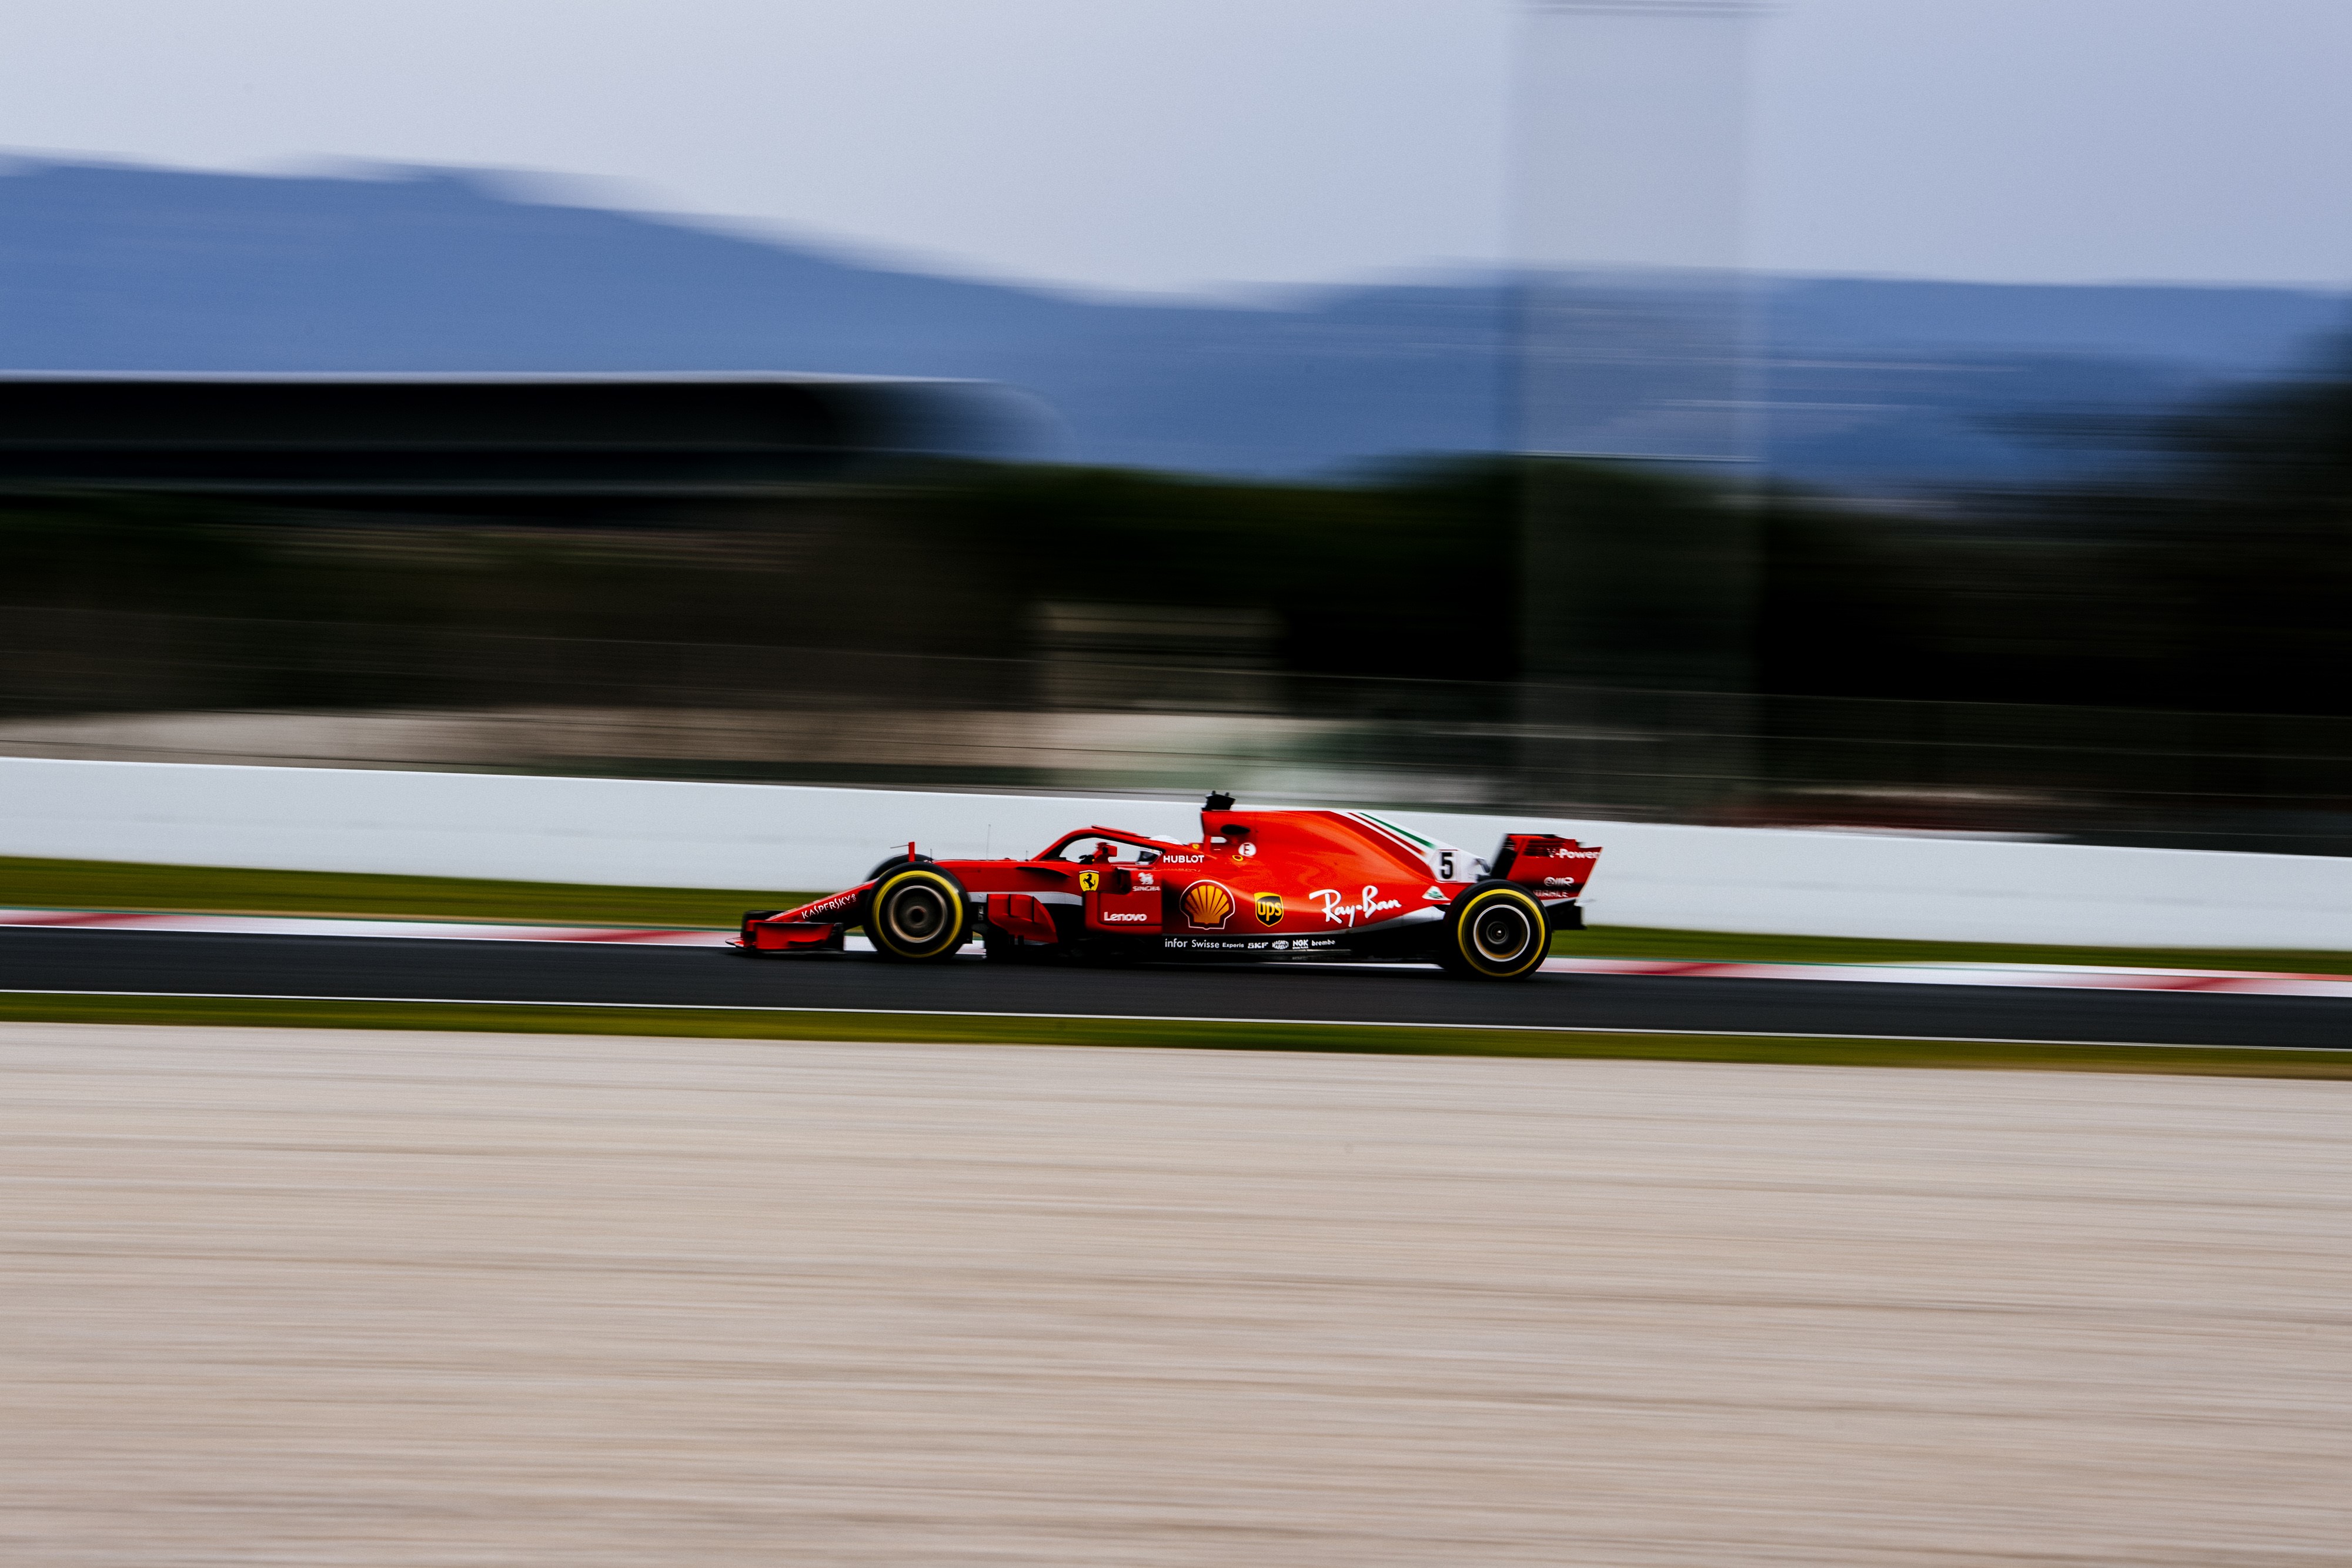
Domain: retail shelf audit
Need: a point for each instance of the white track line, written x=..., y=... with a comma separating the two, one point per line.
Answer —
x=2067, y=977
x=2225, y=982
x=1167, y=1018
x=293, y=926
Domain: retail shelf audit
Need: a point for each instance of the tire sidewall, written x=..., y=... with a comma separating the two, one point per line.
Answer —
x=945, y=946
x=1460, y=951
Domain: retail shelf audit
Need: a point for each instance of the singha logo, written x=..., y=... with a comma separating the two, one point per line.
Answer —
x=1208, y=905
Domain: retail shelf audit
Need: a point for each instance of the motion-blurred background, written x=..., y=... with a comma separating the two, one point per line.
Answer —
x=1908, y=415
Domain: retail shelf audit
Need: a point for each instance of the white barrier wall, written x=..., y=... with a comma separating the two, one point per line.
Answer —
x=749, y=836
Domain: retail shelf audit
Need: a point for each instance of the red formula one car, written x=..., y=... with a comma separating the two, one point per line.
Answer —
x=1281, y=885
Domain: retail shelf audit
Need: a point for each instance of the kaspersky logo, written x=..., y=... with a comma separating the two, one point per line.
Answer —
x=1269, y=909
x=1208, y=905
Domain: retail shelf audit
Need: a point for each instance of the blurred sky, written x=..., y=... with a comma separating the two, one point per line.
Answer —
x=1183, y=143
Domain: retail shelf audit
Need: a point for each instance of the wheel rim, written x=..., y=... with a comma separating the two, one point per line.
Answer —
x=1501, y=932
x=917, y=916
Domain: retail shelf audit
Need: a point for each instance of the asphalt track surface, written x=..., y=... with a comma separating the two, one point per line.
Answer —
x=218, y=965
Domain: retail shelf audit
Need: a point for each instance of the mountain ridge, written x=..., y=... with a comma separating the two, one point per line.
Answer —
x=1871, y=383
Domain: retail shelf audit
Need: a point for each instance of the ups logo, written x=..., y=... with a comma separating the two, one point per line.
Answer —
x=1269, y=909
x=1208, y=905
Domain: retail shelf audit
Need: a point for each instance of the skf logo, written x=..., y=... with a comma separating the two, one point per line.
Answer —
x=1269, y=909
x=1088, y=881
x=1207, y=906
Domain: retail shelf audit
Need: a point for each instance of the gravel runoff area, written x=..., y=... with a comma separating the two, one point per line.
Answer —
x=339, y=1297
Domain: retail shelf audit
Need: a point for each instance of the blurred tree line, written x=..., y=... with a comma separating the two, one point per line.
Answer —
x=2215, y=575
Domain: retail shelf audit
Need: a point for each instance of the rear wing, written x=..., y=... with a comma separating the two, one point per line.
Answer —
x=1546, y=861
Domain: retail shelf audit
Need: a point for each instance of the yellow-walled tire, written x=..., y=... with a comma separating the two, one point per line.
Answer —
x=917, y=914
x=1495, y=932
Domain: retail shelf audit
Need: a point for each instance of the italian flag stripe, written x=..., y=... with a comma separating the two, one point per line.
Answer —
x=1393, y=830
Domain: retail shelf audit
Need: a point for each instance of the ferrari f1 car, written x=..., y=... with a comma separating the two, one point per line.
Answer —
x=1274, y=885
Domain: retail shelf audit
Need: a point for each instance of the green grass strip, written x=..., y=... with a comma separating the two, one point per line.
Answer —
x=996, y=1029
x=112, y=884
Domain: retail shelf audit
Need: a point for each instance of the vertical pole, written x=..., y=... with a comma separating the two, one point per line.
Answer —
x=1632, y=396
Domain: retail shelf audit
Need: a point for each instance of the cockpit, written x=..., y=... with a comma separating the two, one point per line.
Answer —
x=1107, y=846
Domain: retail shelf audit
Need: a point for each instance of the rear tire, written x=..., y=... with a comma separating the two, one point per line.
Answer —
x=1495, y=932
x=917, y=914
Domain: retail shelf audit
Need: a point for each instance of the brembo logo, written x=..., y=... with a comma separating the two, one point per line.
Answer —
x=1208, y=905
x=1338, y=913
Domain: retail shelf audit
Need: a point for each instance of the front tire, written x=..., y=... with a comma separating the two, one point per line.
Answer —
x=917, y=914
x=1495, y=932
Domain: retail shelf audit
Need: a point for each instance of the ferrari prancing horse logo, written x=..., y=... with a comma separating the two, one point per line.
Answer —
x=1269, y=909
x=1090, y=881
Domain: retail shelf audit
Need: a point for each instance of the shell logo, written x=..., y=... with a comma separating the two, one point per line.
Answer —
x=1208, y=905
